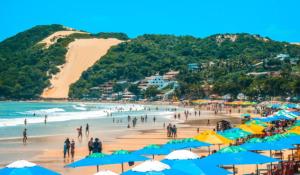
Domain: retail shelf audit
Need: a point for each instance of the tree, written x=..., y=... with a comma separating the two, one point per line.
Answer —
x=151, y=92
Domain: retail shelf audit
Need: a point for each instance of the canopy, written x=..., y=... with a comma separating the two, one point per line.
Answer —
x=235, y=155
x=152, y=150
x=182, y=155
x=106, y=172
x=253, y=128
x=153, y=167
x=94, y=159
x=270, y=144
x=23, y=167
x=195, y=167
x=234, y=133
x=257, y=122
x=212, y=138
x=184, y=143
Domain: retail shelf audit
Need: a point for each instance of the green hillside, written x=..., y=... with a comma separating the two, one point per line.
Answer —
x=224, y=60
x=148, y=54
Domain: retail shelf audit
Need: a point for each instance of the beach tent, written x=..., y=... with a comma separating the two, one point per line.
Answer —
x=213, y=138
x=153, y=167
x=23, y=167
x=106, y=172
x=254, y=129
x=234, y=133
x=190, y=163
x=235, y=155
x=152, y=150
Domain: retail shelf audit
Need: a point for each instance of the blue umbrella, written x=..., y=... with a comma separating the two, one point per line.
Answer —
x=94, y=159
x=236, y=155
x=165, y=172
x=152, y=150
x=184, y=144
x=23, y=167
x=195, y=167
x=264, y=146
x=123, y=156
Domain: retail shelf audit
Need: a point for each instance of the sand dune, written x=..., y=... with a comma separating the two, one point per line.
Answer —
x=82, y=54
x=57, y=35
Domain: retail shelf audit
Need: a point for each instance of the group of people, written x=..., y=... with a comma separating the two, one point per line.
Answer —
x=69, y=147
x=94, y=146
x=171, y=131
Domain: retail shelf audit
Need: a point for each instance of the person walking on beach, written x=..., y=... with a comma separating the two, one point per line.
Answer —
x=25, y=136
x=90, y=145
x=97, y=146
x=68, y=144
x=25, y=121
x=72, y=150
x=174, y=131
x=79, y=132
x=65, y=149
x=169, y=130
x=87, y=130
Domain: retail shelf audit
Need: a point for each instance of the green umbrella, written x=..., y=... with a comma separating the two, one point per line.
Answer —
x=234, y=133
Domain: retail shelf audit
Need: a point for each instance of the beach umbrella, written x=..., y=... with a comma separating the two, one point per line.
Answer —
x=267, y=144
x=213, y=138
x=257, y=122
x=106, y=172
x=153, y=167
x=182, y=155
x=183, y=158
x=195, y=167
x=153, y=150
x=234, y=133
x=254, y=129
x=236, y=155
x=184, y=144
x=295, y=130
x=23, y=167
x=123, y=156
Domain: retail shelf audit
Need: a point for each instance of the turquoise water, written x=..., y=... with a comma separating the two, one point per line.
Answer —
x=65, y=117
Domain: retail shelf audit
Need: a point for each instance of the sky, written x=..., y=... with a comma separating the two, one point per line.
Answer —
x=277, y=19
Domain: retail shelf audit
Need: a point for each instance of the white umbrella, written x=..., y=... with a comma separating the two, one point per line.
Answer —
x=151, y=165
x=21, y=164
x=182, y=155
x=106, y=172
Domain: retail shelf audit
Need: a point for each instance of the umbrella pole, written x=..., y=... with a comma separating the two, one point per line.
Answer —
x=208, y=150
x=219, y=146
x=97, y=168
x=122, y=167
x=233, y=167
x=153, y=156
x=271, y=163
x=256, y=169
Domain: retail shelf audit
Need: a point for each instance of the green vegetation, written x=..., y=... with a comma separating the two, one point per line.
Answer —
x=224, y=61
x=26, y=66
x=223, y=65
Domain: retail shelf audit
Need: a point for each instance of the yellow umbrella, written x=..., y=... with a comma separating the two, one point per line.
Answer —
x=295, y=130
x=252, y=128
x=213, y=138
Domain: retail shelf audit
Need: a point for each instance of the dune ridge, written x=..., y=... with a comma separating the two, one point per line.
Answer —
x=82, y=54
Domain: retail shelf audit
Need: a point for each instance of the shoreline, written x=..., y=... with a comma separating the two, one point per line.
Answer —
x=132, y=139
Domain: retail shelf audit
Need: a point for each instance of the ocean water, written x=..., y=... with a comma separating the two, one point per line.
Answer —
x=66, y=117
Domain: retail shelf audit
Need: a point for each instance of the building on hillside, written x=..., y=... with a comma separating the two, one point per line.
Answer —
x=106, y=90
x=128, y=96
x=282, y=57
x=158, y=81
x=193, y=67
x=171, y=75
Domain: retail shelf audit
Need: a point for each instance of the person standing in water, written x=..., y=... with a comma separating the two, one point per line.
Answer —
x=46, y=119
x=154, y=119
x=87, y=130
x=25, y=121
x=25, y=136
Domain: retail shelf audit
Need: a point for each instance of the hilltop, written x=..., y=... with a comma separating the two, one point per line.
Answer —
x=32, y=62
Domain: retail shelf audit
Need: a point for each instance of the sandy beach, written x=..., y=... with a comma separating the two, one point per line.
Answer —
x=132, y=140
